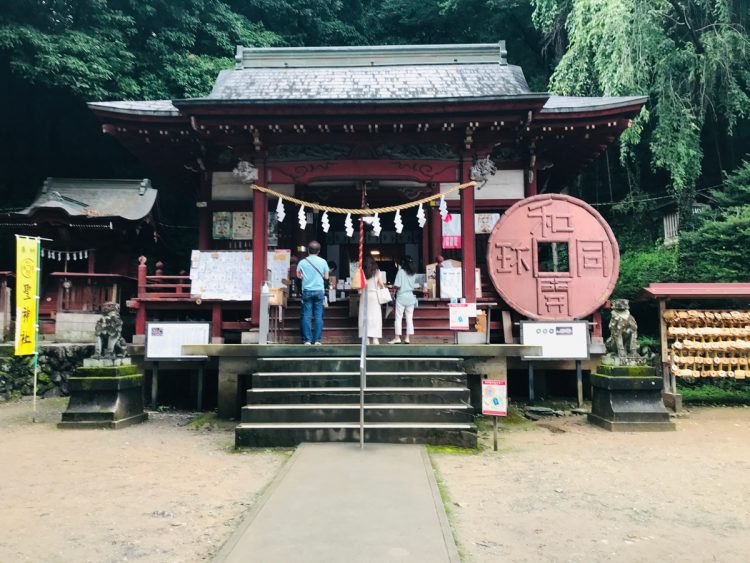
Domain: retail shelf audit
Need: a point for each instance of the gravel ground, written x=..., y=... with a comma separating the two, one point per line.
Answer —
x=562, y=490
x=161, y=491
x=558, y=490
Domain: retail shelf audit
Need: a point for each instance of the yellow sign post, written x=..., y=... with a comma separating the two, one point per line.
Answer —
x=27, y=301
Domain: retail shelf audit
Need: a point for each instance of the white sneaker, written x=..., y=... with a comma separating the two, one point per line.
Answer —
x=318, y=344
x=396, y=340
x=308, y=343
x=375, y=341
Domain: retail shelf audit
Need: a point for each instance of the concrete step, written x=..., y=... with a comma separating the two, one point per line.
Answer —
x=351, y=363
x=293, y=433
x=317, y=379
x=373, y=395
x=458, y=412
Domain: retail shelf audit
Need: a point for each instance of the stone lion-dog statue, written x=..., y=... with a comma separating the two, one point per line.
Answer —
x=623, y=330
x=108, y=332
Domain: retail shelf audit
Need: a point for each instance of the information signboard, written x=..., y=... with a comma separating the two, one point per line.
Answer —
x=225, y=275
x=559, y=340
x=164, y=341
x=494, y=397
x=278, y=266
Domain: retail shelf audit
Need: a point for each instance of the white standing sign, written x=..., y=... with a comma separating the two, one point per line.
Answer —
x=459, y=315
x=278, y=266
x=559, y=340
x=451, y=283
x=164, y=341
x=494, y=397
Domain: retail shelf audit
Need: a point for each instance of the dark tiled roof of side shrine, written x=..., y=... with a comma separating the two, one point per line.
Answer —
x=129, y=199
x=376, y=74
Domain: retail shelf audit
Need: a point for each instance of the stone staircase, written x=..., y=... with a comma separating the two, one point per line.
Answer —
x=316, y=399
x=431, y=320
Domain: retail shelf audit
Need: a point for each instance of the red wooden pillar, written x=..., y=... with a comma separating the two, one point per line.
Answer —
x=140, y=320
x=216, y=322
x=140, y=312
x=260, y=244
x=204, y=213
x=468, y=240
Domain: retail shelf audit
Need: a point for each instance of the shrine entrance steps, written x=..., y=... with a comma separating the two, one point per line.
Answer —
x=408, y=400
x=340, y=325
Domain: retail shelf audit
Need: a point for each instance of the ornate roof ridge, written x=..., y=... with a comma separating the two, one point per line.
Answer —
x=370, y=55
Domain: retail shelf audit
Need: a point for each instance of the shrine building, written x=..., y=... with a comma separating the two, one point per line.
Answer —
x=325, y=124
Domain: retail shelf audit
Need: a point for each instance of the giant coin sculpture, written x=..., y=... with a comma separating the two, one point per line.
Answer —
x=553, y=257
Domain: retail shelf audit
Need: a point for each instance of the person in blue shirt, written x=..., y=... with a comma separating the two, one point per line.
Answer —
x=313, y=271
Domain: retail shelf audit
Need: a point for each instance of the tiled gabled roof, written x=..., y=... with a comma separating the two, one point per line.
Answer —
x=129, y=199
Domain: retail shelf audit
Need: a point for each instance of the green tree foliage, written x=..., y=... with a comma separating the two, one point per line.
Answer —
x=716, y=249
x=691, y=57
x=127, y=49
x=642, y=266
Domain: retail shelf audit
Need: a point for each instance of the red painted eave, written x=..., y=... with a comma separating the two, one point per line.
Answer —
x=697, y=291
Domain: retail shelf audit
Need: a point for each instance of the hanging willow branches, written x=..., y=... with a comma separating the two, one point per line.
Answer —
x=692, y=57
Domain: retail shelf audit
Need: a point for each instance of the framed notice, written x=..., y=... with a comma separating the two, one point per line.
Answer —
x=485, y=222
x=242, y=225
x=164, y=341
x=222, y=225
x=559, y=340
x=494, y=397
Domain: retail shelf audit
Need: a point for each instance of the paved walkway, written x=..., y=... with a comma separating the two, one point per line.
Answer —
x=335, y=502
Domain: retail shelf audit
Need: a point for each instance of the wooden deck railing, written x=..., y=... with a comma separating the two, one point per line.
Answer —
x=159, y=286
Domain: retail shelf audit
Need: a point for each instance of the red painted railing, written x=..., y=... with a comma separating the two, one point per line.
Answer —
x=159, y=286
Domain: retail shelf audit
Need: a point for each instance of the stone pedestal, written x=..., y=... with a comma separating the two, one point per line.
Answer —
x=628, y=399
x=105, y=393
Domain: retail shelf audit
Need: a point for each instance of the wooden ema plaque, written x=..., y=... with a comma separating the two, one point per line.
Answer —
x=559, y=229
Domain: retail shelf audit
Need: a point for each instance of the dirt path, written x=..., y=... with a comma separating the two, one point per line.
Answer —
x=155, y=492
x=584, y=494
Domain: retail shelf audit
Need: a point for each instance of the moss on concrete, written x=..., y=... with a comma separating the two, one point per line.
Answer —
x=113, y=371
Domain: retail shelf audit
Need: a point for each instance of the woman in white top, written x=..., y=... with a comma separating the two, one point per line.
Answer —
x=405, y=285
x=374, y=311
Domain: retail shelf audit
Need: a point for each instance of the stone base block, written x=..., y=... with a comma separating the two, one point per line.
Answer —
x=628, y=403
x=630, y=426
x=672, y=400
x=250, y=337
x=105, y=397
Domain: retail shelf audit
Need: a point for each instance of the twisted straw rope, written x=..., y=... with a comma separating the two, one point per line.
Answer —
x=368, y=211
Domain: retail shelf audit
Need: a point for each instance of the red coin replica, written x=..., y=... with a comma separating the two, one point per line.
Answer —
x=553, y=257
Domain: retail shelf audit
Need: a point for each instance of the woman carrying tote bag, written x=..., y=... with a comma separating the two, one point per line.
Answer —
x=405, y=285
x=370, y=292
